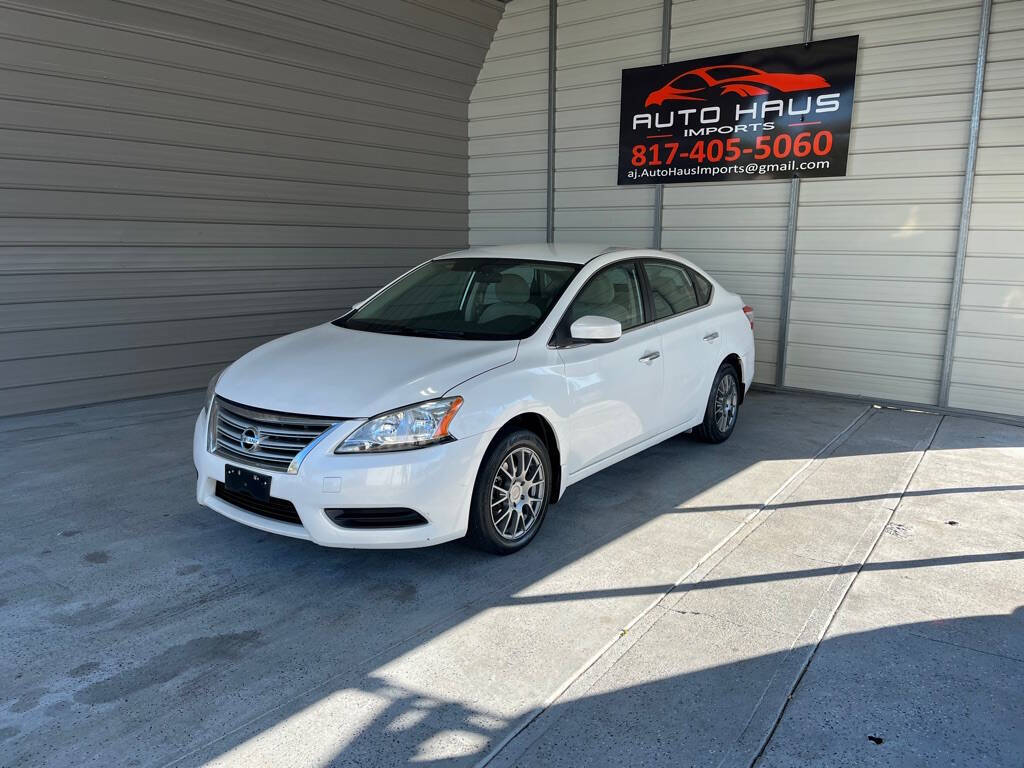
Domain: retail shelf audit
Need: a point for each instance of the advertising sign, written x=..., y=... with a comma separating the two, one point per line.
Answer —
x=768, y=114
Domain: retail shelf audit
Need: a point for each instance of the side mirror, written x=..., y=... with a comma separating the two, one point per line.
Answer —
x=595, y=328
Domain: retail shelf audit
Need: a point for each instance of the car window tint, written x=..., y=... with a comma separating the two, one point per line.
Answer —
x=671, y=289
x=490, y=290
x=415, y=296
x=614, y=292
x=702, y=285
x=467, y=298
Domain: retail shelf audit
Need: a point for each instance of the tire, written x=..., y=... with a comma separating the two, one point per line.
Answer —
x=504, y=476
x=723, y=406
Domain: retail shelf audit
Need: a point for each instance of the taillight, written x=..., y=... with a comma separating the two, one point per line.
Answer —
x=749, y=312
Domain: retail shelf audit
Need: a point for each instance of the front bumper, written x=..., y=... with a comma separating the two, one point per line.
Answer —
x=437, y=482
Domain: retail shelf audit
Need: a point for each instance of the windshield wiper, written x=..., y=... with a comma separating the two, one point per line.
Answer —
x=406, y=330
x=429, y=332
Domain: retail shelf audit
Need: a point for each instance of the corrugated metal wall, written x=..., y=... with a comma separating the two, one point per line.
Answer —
x=735, y=230
x=183, y=179
x=508, y=124
x=596, y=39
x=875, y=250
x=988, y=364
x=508, y=131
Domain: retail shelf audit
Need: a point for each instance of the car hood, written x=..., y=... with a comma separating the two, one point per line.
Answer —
x=342, y=373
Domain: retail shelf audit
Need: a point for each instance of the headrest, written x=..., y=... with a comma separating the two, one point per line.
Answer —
x=512, y=289
x=601, y=291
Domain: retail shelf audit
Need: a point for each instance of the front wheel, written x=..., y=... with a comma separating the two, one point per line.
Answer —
x=723, y=406
x=511, y=494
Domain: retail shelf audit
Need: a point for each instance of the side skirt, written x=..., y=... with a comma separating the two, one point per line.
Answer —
x=625, y=453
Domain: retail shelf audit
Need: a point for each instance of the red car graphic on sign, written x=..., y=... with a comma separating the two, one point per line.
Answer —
x=732, y=78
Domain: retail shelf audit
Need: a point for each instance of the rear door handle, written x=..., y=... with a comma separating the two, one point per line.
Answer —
x=649, y=357
x=711, y=337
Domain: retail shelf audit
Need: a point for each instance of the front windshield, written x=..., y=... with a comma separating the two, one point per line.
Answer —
x=466, y=298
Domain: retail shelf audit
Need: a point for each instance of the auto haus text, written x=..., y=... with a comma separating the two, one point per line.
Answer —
x=709, y=119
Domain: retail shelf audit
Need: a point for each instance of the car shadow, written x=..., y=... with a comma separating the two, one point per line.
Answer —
x=860, y=702
x=142, y=628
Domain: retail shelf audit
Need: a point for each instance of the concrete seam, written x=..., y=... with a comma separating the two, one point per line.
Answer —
x=965, y=647
x=427, y=631
x=727, y=620
x=899, y=405
x=801, y=473
x=586, y=680
x=810, y=657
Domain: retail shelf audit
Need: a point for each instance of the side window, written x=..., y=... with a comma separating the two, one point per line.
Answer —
x=614, y=292
x=672, y=290
x=702, y=285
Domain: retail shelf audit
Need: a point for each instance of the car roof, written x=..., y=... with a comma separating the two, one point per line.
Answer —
x=569, y=253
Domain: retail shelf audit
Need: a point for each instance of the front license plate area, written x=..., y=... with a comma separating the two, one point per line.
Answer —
x=246, y=481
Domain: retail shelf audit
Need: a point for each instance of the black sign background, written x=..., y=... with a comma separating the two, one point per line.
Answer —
x=681, y=140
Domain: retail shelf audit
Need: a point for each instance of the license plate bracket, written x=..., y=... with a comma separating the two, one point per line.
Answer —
x=246, y=481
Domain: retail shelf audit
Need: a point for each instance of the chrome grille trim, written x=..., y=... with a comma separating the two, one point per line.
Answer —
x=285, y=439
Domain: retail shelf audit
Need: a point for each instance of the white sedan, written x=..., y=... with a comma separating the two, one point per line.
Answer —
x=467, y=395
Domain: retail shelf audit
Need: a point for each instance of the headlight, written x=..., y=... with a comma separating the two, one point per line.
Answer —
x=414, y=426
x=211, y=428
x=211, y=389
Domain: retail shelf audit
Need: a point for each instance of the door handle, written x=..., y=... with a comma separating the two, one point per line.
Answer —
x=711, y=337
x=649, y=357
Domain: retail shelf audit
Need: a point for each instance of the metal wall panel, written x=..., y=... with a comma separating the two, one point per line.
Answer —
x=736, y=231
x=508, y=131
x=597, y=39
x=875, y=250
x=988, y=361
x=182, y=179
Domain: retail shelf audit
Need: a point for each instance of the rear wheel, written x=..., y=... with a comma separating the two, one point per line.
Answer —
x=511, y=494
x=723, y=406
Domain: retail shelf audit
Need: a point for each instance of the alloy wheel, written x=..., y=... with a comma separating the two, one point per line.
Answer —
x=726, y=397
x=517, y=493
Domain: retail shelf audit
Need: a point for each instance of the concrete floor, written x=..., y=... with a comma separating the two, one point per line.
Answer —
x=836, y=585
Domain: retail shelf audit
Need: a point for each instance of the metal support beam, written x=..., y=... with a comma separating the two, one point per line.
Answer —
x=787, y=281
x=659, y=190
x=965, y=206
x=552, y=55
x=789, y=255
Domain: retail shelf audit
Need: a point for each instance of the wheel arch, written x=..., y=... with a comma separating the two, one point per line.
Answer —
x=737, y=363
x=540, y=426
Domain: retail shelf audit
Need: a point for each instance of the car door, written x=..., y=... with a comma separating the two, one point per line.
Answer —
x=690, y=345
x=614, y=388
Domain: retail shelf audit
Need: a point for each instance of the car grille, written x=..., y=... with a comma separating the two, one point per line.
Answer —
x=276, y=509
x=281, y=437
